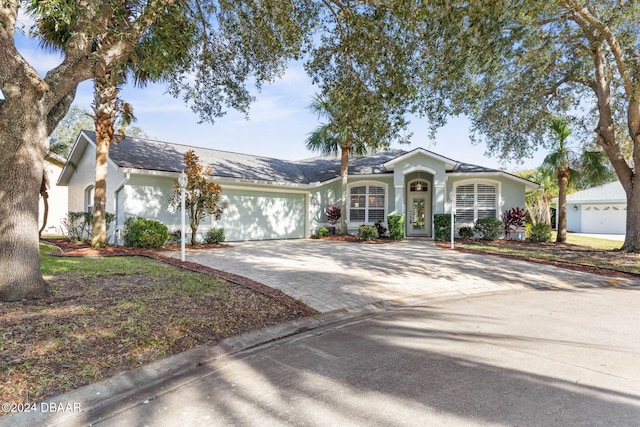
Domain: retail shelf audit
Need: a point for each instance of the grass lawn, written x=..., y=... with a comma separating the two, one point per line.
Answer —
x=582, y=250
x=109, y=314
x=590, y=242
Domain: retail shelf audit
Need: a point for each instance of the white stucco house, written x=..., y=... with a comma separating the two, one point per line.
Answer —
x=279, y=199
x=598, y=210
x=58, y=199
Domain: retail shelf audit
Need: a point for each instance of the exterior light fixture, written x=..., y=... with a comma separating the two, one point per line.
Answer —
x=182, y=183
x=575, y=208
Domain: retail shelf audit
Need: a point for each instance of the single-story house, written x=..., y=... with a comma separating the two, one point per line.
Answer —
x=598, y=210
x=57, y=200
x=278, y=199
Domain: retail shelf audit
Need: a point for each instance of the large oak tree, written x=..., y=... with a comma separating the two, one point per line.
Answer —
x=238, y=41
x=512, y=65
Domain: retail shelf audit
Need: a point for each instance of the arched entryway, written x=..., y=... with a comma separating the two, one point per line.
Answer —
x=419, y=210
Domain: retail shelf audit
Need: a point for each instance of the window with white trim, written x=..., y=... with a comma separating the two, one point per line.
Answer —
x=367, y=203
x=89, y=194
x=474, y=201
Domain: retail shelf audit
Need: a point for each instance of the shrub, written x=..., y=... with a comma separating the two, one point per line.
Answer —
x=396, y=226
x=79, y=225
x=367, y=232
x=145, y=233
x=512, y=220
x=488, y=228
x=381, y=228
x=540, y=232
x=333, y=214
x=323, y=232
x=466, y=232
x=214, y=235
x=175, y=236
x=442, y=227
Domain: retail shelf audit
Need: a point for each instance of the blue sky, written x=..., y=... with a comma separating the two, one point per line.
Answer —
x=279, y=121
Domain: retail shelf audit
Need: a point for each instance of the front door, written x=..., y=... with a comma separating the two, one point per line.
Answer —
x=419, y=215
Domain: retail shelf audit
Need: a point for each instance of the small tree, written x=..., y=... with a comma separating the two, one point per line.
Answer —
x=512, y=220
x=202, y=197
x=333, y=214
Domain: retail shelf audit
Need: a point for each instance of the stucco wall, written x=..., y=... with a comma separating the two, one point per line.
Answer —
x=255, y=214
x=58, y=201
x=84, y=176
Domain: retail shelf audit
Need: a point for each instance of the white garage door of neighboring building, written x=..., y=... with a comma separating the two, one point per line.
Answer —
x=604, y=219
x=253, y=215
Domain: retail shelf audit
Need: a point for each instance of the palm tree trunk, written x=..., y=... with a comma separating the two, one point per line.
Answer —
x=344, y=175
x=105, y=98
x=563, y=181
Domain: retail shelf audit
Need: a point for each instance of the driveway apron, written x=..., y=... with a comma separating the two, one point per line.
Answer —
x=332, y=276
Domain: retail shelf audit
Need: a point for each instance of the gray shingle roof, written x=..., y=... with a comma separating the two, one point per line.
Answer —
x=147, y=154
x=607, y=192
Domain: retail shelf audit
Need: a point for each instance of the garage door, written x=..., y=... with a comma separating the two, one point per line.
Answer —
x=604, y=219
x=253, y=215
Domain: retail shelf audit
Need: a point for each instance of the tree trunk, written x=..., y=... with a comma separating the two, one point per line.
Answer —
x=344, y=175
x=632, y=237
x=22, y=132
x=194, y=233
x=105, y=97
x=563, y=181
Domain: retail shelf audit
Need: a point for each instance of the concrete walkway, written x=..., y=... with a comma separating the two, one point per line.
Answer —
x=332, y=276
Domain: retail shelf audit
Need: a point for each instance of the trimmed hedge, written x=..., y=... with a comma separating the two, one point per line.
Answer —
x=146, y=233
x=368, y=232
x=539, y=232
x=442, y=227
x=214, y=235
x=488, y=228
x=396, y=226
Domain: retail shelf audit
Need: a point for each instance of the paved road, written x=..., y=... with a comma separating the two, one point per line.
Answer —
x=533, y=358
x=331, y=276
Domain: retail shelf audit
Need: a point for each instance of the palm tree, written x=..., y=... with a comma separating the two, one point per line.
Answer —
x=569, y=165
x=328, y=140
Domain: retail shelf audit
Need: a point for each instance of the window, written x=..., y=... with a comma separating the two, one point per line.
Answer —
x=419, y=186
x=367, y=203
x=474, y=201
x=89, y=194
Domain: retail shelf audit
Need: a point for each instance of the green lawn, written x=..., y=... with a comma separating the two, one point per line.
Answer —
x=582, y=250
x=592, y=242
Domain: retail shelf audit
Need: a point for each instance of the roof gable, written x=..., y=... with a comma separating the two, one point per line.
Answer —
x=389, y=165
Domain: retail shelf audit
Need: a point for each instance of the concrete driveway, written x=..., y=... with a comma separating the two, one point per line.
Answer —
x=332, y=276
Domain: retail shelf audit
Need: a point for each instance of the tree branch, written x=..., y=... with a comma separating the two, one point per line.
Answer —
x=612, y=41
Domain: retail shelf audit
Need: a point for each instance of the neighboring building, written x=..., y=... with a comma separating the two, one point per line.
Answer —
x=598, y=210
x=278, y=199
x=58, y=200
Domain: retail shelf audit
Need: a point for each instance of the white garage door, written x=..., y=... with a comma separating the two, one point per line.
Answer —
x=604, y=219
x=253, y=215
